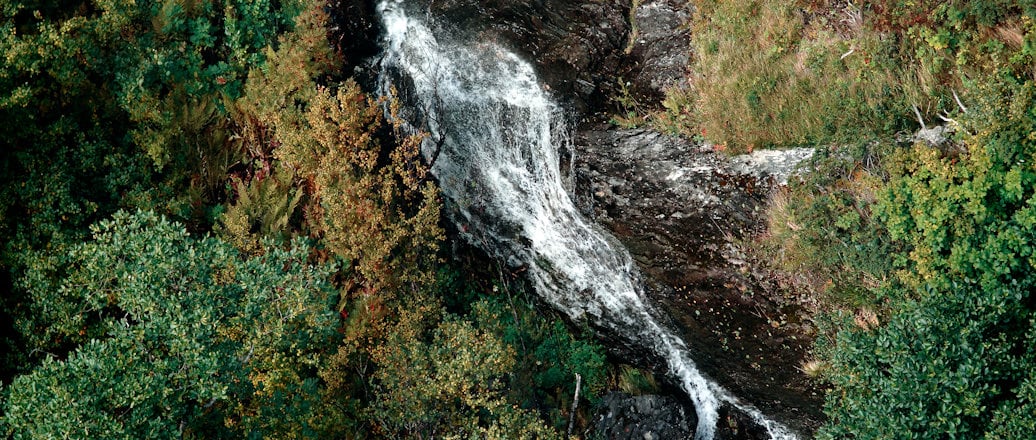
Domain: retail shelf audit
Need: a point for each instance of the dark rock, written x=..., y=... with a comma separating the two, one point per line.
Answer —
x=736, y=425
x=354, y=28
x=680, y=208
x=660, y=49
x=577, y=45
x=667, y=191
x=646, y=417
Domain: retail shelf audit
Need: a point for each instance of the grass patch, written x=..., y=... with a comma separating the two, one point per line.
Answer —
x=822, y=229
x=777, y=74
x=634, y=381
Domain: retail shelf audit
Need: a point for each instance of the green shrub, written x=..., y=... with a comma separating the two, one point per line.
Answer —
x=153, y=333
x=957, y=364
x=971, y=216
x=955, y=355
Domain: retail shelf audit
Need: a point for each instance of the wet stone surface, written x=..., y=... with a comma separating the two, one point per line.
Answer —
x=576, y=45
x=680, y=209
x=660, y=48
x=621, y=416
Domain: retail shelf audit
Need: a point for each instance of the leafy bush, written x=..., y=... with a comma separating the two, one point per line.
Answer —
x=171, y=335
x=958, y=363
x=971, y=217
x=955, y=355
x=442, y=374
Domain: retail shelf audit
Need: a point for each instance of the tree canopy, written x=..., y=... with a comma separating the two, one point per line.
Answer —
x=170, y=333
x=210, y=232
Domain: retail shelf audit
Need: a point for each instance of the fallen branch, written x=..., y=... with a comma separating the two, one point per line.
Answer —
x=575, y=404
x=959, y=104
x=919, y=119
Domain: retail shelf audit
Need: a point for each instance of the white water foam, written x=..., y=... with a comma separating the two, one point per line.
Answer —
x=499, y=133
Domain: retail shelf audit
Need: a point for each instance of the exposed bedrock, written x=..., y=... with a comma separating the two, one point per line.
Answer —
x=680, y=208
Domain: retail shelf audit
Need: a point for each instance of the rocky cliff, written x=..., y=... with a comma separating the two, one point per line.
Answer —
x=679, y=207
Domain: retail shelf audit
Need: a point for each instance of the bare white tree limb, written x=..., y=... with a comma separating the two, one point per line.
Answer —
x=575, y=404
x=211, y=402
x=919, y=119
x=959, y=104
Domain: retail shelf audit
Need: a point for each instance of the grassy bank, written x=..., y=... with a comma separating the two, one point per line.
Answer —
x=920, y=254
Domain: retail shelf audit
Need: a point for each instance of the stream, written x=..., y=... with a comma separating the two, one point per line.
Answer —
x=496, y=133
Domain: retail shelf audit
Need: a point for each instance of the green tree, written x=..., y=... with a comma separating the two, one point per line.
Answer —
x=440, y=375
x=956, y=356
x=87, y=86
x=173, y=335
x=117, y=104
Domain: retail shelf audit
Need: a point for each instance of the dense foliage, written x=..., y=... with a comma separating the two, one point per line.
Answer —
x=280, y=274
x=956, y=356
x=172, y=334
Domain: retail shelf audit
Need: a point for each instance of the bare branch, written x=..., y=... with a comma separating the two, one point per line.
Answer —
x=959, y=104
x=211, y=402
x=575, y=405
x=919, y=119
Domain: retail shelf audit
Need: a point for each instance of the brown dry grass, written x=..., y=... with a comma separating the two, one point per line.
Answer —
x=771, y=74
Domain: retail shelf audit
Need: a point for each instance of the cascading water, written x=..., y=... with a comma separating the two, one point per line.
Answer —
x=495, y=134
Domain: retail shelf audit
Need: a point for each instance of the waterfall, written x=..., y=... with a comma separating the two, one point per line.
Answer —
x=495, y=134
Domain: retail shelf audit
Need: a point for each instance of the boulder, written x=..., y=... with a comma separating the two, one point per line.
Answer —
x=620, y=416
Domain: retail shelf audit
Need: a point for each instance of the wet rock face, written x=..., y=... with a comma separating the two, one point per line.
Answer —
x=671, y=201
x=620, y=416
x=659, y=48
x=581, y=48
x=647, y=417
x=680, y=208
x=576, y=44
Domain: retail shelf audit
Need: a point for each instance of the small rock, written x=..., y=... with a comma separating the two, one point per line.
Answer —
x=935, y=136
